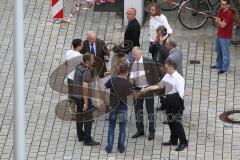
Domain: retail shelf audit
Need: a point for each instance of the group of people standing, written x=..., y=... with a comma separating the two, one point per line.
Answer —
x=131, y=74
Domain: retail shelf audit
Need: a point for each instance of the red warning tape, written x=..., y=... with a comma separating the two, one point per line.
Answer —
x=78, y=6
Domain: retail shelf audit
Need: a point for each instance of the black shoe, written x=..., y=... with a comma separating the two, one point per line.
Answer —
x=221, y=71
x=151, y=136
x=80, y=139
x=91, y=143
x=181, y=147
x=214, y=67
x=165, y=122
x=138, y=134
x=160, y=108
x=169, y=143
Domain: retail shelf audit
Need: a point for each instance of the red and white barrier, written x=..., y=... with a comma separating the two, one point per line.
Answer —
x=57, y=8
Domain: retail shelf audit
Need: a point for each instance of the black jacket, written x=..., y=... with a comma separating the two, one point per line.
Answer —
x=175, y=104
x=159, y=52
x=132, y=33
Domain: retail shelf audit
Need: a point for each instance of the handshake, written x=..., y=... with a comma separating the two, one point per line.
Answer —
x=138, y=93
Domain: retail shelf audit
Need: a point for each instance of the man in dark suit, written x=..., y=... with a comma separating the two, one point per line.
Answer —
x=144, y=72
x=159, y=50
x=98, y=48
x=132, y=33
x=159, y=55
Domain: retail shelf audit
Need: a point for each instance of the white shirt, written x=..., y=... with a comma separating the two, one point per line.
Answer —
x=155, y=22
x=76, y=58
x=139, y=73
x=173, y=84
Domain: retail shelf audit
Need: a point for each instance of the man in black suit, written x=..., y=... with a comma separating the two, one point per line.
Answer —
x=98, y=48
x=132, y=33
x=160, y=54
x=159, y=50
x=144, y=72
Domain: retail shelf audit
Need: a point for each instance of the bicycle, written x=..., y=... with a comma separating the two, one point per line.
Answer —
x=168, y=5
x=236, y=26
x=193, y=14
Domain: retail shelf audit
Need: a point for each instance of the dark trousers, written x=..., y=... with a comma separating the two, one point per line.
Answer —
x=70, y=88
x=84, y=119
x=150, y=50
x=174, y=113
x=163, y=102
x=139, y=114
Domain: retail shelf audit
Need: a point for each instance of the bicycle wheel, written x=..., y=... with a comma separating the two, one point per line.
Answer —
x=193, y=14
x=236, y=28
x=236, y=35
x=168, y=5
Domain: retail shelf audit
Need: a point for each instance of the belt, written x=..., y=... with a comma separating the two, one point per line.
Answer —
x=172, y=94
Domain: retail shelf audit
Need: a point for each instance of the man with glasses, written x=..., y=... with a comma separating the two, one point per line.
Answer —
x=224, y=21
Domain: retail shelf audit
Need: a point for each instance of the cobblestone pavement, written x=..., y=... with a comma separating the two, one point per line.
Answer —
x=49, y=137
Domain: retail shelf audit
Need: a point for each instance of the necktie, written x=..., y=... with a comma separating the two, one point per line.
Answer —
x=92, y=49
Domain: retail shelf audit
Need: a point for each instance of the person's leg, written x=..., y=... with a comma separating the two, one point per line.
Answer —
x=150, y=111
x=79, y=120
x=71, y=102
x=179, y=130
x=88, y=117
x=173, y=136
x=163, y=103
x=225, y=43
x=139, y=115
x=88, y=122
x=219, y=58
x=111, y=131
x=122, y=130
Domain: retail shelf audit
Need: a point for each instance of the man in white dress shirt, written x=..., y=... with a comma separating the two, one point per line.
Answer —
x=174, y=91
x=73, y=57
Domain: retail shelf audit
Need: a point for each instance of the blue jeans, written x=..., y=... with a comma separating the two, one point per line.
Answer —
x=223, y=53
x=122, y=116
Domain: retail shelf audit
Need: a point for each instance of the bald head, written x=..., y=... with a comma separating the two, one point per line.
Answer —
x=91, y=36
x=131, y=13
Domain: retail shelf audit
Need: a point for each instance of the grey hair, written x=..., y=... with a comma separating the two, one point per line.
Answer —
x=137, y=49
x=91, y=33
x=172, y=41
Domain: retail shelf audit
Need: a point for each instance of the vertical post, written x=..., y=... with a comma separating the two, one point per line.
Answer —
x=138, y=5
x=19, y=110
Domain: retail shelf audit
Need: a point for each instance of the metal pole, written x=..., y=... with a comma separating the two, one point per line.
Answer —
x=19, y=110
